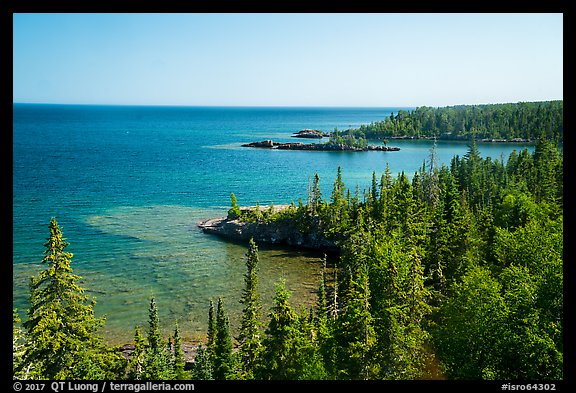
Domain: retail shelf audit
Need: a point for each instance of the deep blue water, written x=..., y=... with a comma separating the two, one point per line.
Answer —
x=128, y=185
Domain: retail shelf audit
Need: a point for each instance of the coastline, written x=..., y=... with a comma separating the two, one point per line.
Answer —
x=281, y=232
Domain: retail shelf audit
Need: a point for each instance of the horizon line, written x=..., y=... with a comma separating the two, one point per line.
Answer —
x=278, y=106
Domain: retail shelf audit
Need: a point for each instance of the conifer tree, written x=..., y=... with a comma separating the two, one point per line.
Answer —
x=322, y=304
x=471, y=328
x=373, y=197
x=305, y=354
x=61, y=326
x=355, y=330
x=385, y=185
x=223, y=359
x=250, y=336
x=316, y=198
x=324, y=324
x=338, y=189
x=432, y=183
x=202, y=369
x=234, y=211
x=407, y=354
x=136, y=365
x=178, y=361
x=338, y=211
x=546, y=165
x=280, y=335
x=156, y=359
x=211, y=328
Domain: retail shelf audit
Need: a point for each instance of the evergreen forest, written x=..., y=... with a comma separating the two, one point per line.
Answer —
x=528, y=121
x=454, y=272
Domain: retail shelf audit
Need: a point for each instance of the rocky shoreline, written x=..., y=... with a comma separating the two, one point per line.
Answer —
x=269, y=144
x=448, y=137
x=276, y=232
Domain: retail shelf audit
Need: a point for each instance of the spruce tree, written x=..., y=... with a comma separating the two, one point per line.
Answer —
x=324, y=324
x=178, y=361
x=202, y=369
x=374, y=197
x=156, y=360
x=407, y=348
x=61, y=326
x=307, y=360
x=322, y=304
x=280, y=335
x=223, y=359
x=432, y=185
x=338, y=189
x=316, y=194
x=249, y=338
x=136, y=365
x=234, y=211
x=211, y=329
x=355, y=330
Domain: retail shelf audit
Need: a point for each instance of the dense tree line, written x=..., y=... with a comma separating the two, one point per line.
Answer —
x=523, y=120
x=455, y=272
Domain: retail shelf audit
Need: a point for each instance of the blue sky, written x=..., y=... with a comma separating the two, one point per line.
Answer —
x=287, y=59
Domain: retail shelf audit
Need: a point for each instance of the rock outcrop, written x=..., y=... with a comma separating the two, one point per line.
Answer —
x=265, y=144
x=312, y=134
x=280, y=232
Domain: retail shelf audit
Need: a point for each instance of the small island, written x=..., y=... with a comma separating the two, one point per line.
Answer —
x=269, y=144
x=272, y=225
x=310, y=134
x=336, y=143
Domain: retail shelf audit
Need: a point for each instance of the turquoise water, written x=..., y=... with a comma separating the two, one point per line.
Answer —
x=129, y=184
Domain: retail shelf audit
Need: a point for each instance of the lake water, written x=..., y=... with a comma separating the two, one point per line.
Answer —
x=129, y=184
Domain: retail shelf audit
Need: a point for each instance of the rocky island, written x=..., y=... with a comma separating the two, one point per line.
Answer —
x=311, y=134
x=279, y=231
x=336, y=142
x=328, y=146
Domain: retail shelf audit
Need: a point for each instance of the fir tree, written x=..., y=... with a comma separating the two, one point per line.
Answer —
x=61, y=326
x=324, y=324
x=223, y=359
x=355, y=330
x=136, y=365
x=322, y=304
x=316, y=198
x=338, y=189
x=202, y=369
x=374, y=197
x=250, y=337
x=156, y=363
x=211, y=327
x=234, y=211
x=307, y=361
x=178, y=361
x=280, y=334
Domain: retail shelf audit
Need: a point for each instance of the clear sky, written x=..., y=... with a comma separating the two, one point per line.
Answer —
x=287, y=59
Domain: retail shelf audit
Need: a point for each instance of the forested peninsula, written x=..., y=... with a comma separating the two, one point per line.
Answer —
x=454, y=272
x=523, y=121
x=514, y=122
